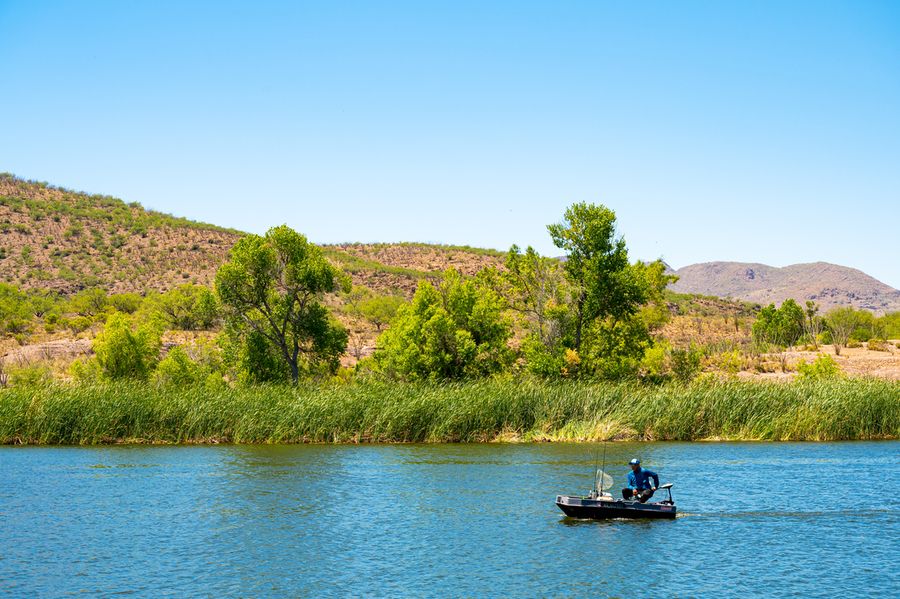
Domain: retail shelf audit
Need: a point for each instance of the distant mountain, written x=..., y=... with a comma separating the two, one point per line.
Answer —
x=829, y=285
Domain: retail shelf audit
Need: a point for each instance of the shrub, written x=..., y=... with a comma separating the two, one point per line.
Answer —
x=823, y=367
x=686, y=363
x=454, y=331
x=177, y=368
x=125, y=353
x=30, y=375
x=878, y=345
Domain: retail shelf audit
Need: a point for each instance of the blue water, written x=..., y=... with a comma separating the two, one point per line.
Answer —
x=445, y=520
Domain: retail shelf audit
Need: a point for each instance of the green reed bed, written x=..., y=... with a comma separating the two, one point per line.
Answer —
x=473, y=411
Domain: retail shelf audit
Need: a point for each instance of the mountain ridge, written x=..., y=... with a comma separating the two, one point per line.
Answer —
x=830, y=285
x=58, y=239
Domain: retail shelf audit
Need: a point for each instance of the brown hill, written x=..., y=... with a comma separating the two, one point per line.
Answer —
x=55, y=238
x=829, y=285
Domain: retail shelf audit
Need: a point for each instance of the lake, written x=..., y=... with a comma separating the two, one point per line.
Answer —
x=764, y=519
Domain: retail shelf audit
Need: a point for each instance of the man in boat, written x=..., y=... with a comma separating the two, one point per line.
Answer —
x=639, y=486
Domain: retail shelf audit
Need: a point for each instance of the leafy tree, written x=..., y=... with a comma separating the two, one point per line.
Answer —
x=532, y=286
x=15, y=310
x=841, y=323
x=380, y=309
x=686, y=363
x=271, y=289
x=614, y=348
x=452, y=331
x=782, y=326
x=125, y=302
x=88, y=303
x=814, y=324
x=890, y=325
x=126, y=352
x=604, y=284
x=186, y=307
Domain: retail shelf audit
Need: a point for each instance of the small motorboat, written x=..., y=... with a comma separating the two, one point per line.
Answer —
x=602, y=506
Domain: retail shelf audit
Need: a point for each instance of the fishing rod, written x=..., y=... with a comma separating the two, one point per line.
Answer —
x=603, y=469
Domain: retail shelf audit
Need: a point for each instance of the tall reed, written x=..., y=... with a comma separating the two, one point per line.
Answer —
x=472, y=411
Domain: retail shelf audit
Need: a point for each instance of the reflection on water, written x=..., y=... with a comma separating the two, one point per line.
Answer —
x=438, y=520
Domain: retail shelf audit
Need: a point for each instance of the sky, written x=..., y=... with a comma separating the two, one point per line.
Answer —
x=752, y=131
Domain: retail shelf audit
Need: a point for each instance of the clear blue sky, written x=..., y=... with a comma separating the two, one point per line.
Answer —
x=753, y=131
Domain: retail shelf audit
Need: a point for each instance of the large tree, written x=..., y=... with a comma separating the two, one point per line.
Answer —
x=452, y=331
x=604, y=283
x=271, y=291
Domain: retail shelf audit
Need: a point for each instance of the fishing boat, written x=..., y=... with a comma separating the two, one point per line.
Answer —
x=602, y=506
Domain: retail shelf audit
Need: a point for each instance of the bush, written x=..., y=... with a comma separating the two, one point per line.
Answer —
x=686, y=363
x=178, y=369
x=878, y=345
x=31, y=375
x=455, y=331
x=123, y=353
x=822, y=368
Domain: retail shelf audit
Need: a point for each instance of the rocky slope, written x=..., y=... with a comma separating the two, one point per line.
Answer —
x=829, y=285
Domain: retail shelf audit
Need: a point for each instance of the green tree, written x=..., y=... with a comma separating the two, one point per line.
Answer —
x=129, y=303
x=187, y=307
x=15, y=310
x=124, y=351
x=449, y=332
x=272, y=288
x=604, y=283
x=814, y=324
x=380, y=309
x=532, y=287
x=841, y=323
x=89, y=303
x=782, y=326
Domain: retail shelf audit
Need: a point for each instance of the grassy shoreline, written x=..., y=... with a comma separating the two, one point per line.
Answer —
x=491, y=410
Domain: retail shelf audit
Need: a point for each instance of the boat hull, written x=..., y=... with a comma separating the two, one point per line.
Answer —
x=605, y=509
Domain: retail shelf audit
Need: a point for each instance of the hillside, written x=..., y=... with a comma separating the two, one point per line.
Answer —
x=58, y=239
x=829, y=285
x=62, y=240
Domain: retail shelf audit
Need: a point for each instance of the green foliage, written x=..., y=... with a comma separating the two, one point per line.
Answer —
x=890, y=325
x=129, y=303
x=843, y=322
x=89, y=303
x=533, y=287
x=597, y=266
x=823, y=367
x=614, y=349
x=124, y=352
x=613, y=304
x=781, y=327
x=450, y=332
x=271, y=288
x=15, y=311
x=686, y=363
x=30, y=375
x=380, y=309
x=185, y=308
x=484, y=410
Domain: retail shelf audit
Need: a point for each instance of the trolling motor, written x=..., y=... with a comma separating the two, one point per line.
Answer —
x=668, y=488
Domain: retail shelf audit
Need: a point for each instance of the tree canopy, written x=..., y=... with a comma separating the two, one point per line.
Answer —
x=271, y=291
x=451, y=331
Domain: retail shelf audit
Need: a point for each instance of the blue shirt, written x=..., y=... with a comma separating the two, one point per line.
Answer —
x=638, y=480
